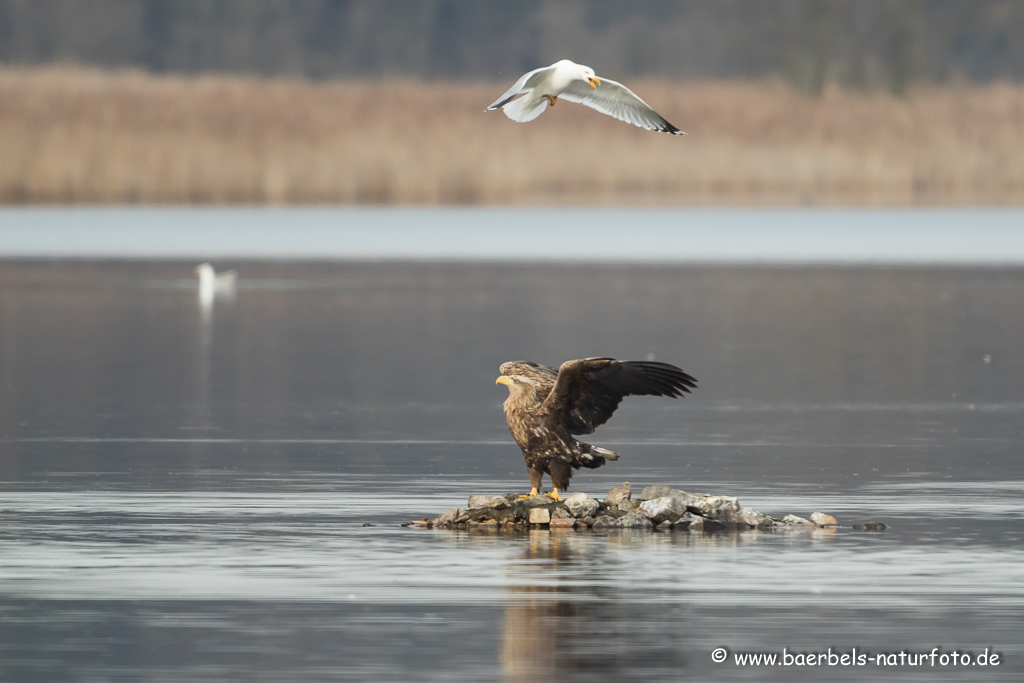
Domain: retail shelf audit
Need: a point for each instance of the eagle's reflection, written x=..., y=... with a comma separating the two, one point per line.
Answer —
x=581, y=606
x=563, y=618
x=540, y=618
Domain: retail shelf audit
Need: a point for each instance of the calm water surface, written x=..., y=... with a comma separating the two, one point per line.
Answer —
x=183, y=491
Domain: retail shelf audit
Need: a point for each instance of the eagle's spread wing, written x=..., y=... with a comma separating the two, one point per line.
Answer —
x=589, y=390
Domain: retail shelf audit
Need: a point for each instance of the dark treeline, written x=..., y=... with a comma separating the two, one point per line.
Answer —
x=857, y=43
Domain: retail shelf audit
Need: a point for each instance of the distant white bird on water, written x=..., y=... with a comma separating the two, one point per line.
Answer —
x=574, y=82
x=212, y=283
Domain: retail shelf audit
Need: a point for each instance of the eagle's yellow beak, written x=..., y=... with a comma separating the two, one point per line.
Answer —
x=504, y=379
x=594, y=81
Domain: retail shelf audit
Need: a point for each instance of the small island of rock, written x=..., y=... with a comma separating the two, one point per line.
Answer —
x=659, y=507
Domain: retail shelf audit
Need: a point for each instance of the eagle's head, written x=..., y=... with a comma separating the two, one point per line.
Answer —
x=513, y=381
x=517, y=371
x=518, y=376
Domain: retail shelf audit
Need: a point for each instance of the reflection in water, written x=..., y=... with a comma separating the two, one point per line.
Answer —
x=213, y=287
x=542, y=621
x=567, y=619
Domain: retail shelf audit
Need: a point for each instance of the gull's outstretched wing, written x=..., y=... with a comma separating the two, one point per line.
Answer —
x=618, y=101
x=528, y=80
x=587, y=391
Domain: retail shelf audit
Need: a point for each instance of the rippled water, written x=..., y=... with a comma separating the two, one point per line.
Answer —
x=184, y=492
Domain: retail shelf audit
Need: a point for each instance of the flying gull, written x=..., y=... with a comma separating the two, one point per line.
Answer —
x=574, y=82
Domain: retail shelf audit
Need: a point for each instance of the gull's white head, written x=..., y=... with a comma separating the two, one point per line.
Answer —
x=587, y=74
x=578, y=72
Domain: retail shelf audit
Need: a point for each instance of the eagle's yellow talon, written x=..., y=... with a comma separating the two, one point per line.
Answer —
x=554, y=495
x=531, y=494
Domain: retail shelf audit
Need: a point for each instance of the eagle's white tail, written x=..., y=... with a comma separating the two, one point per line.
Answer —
x=526, y=108
x=591, y=457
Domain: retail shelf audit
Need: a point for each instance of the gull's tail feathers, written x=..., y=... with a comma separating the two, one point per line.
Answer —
x=525, y=108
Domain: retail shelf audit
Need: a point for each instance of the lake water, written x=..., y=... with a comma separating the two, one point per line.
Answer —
x=184, y=489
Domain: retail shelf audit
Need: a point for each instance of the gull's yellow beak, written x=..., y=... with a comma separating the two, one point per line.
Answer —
x=504, y=379
x=594, y=81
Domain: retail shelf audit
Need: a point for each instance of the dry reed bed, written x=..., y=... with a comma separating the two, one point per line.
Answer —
x=73, y=135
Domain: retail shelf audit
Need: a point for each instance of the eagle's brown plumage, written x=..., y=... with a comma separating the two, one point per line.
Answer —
x=545, y=407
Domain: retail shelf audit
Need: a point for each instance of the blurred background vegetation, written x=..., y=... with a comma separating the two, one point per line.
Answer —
x=840, y=102
x=859, y=43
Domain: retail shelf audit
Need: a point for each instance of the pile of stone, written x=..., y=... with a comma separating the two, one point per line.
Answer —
x=659, y=507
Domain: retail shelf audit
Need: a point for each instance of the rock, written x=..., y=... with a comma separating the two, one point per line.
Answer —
x=698, y=523
x=580, y=505
x=793, y=520
x=689, y=499
x=480, y=501
x=659, y=506
x=535, y=501
x=611, y=509
x=633, y=520
x=658, y=491
x=630, y=520
x=752, y=517
x=477, y=515
x=693, y=522
x=821, y=519
x=539, y=515
x=661, y=509
x=688, y=521
x=720, y=508
x=618, y=495
x=452, y=516
x=521, y=508
x=627, y=505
